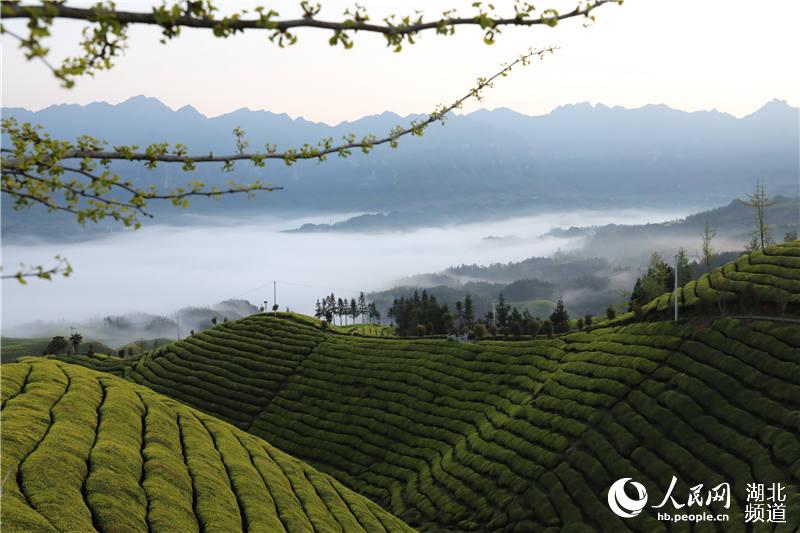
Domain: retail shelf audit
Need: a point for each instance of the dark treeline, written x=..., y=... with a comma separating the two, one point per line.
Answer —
x=421, y=314
x=346, y=310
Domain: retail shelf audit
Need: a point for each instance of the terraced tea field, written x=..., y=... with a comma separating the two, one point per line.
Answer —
x=510, y=436
x=505, y=435
x=86, y=451
x=768, y=278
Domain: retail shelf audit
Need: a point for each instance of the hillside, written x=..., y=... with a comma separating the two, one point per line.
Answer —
x=509, y=436
x=466, y=436
x=764, y=282
x=733, y=224
x=11, y=348
x=86, y=451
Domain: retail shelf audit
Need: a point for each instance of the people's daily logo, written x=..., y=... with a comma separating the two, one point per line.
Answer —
x=621, y=503
x=766, y=502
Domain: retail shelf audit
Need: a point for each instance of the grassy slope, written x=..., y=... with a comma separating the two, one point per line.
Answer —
x=368, y=330
x=84, y=450
x=10, y=348
x=773, y=274
x=507, y=435
x=499, y=435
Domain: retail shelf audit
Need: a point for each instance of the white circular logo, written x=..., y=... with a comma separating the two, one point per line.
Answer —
x=621, y=504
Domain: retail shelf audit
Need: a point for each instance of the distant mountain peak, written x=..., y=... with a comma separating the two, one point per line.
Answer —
x=189, y=110
x=774, y=107
x=144, y=100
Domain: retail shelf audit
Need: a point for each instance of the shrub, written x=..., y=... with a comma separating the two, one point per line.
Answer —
x=479, y=330
x=580, y=324
x=547, y=329
x=421, y=330
x=534, y=326
x=57, y=345
x=515, y=328
x=588, y=319
x=611, y=313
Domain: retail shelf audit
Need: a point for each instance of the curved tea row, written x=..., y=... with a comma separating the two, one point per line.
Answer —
x=87, y=451
x=506, y=435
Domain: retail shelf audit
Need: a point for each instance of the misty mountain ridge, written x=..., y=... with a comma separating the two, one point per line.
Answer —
x=120, y=329
x=489, y=162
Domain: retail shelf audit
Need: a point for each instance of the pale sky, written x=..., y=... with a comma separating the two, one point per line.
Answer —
x=730, y=55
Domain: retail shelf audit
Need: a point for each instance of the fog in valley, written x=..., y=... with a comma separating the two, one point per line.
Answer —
x=159, y=269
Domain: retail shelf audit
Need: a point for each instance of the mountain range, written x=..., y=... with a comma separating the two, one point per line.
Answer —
x=486, y=162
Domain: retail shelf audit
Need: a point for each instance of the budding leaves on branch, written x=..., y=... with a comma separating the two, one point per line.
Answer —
x=36, y=168
x=105, y=37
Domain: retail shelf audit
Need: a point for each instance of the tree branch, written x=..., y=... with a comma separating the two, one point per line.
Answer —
x=549, y=17
x=62, y=267
x=106, y=36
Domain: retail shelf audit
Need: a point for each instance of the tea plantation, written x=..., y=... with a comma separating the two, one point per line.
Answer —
x=764, y=280
x=498, y=435
x=85, y=451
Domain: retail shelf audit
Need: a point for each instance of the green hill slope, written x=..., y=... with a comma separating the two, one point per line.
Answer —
x=509, y=436
x=86, y=451
x=500, y=435
x=766, y=281
x=11, y=348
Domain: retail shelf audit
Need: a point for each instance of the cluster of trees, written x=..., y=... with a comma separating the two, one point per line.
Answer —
x=330, y=306
x=509, y=320
x=660, y=278
x=421, y=315
x=59, y=344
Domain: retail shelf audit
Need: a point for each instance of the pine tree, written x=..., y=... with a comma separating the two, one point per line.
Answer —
x=502, y=311
x=685, y=270
x=340, y=309
x=362, y=305
x=637, y=294
x=560, y=317
x=469, y=311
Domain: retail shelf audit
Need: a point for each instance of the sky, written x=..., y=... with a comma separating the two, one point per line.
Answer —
x=690, y=55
